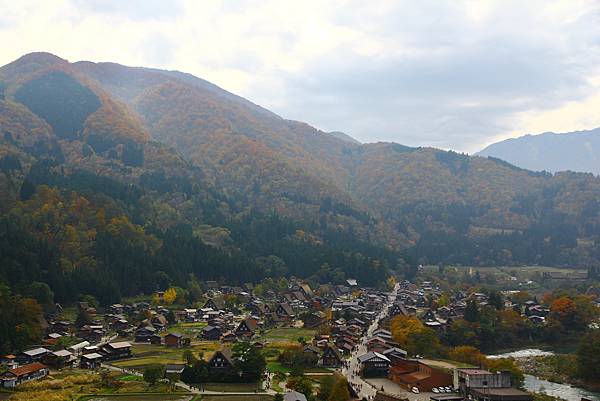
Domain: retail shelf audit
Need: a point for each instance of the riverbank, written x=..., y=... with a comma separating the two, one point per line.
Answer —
x=554, y=373
x=557, y=368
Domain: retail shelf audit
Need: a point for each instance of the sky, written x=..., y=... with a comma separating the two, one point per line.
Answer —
x=454, y=75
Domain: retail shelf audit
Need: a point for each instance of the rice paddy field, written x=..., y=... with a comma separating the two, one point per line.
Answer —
x=74, y=384
x=233, y=387
x=142, y=397
x=147, y=354
x=287, y=334
x=192, y=330
x=246, y=397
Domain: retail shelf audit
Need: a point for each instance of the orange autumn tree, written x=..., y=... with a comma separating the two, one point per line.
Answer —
x=562, y=308
x=562, y=305
x=467, y=354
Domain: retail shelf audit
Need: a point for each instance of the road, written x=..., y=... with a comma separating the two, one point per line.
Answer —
x=364, y=389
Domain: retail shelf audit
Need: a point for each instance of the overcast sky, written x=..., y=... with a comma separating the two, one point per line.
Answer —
x=455, y=75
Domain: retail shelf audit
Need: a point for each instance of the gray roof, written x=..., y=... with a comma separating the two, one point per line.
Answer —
x=79, y=346
x=174, y=368
x=36, y=351
x=294, y=396
x=93, y=355
x=371, y=355
x=62, y=353
x=121, y=344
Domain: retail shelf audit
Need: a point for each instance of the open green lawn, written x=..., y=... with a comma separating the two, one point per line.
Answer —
x=129, y=378
x=287, y=334
x=190, y=329
x=274, y=367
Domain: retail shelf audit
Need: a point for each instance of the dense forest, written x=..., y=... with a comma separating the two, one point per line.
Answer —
x=92, y=245
x=116, y=181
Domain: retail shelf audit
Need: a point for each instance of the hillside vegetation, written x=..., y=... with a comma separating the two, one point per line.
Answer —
x=118, y=180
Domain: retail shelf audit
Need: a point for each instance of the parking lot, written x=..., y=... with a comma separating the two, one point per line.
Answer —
x=393, y=388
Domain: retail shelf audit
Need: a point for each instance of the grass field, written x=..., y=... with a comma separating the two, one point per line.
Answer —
x=274, y=367
x=72, y=384
x=287, y=334
x=68, y=313
x=147, y=354
x=130, y=378
x=138, y=397
x=247, y=397
x=190, y=329
x=233, y=387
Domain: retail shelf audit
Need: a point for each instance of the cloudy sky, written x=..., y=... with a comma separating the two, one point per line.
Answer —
x=455, y=75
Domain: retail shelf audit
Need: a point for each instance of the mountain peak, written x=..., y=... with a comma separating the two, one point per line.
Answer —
x=344, y=137
x=40, y=58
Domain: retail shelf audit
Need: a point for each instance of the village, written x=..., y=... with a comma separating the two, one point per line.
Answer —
x=343, y=331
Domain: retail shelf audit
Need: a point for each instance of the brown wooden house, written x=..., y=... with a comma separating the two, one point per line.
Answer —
x=247, y=327
x=331, y=356
x=176, y=340
x=221, y=360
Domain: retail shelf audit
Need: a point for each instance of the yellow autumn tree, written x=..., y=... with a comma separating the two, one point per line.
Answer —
x=170, y=296
x=403, y=327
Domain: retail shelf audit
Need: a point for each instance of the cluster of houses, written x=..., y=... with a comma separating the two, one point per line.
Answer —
x=384, y=358
x=142, y=322
x=342, y=313
x=416, y=300
x=35, y=363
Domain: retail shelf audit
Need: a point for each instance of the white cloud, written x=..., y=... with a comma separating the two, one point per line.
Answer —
x=450, y=74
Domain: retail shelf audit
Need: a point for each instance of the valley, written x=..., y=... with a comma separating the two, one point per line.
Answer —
x=161, y=237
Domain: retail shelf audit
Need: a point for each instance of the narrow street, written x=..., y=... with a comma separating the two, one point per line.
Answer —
x=364, y=389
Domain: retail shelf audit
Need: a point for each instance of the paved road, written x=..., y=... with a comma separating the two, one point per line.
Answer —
x=364, y=389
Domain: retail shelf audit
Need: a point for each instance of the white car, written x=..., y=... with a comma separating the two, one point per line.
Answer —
x=435, y=390
x=415, y=390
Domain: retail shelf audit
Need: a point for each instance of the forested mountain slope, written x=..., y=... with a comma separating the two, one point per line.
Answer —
x=155, y=174
x=91, y=204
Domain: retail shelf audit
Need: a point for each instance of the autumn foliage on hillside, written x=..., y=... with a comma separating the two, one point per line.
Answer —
x=226, y=182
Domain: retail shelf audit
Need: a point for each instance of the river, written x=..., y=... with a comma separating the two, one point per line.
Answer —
x=532, y=383
x=565, y=391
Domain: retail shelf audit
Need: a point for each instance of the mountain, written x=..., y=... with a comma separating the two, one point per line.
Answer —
x=573, y=151
x=117, y=180
x=344, y=137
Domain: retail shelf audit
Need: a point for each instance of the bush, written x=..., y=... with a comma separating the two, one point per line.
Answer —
x=153, y=373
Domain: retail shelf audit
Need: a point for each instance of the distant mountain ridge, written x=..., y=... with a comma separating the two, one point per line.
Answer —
x=574, y=151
